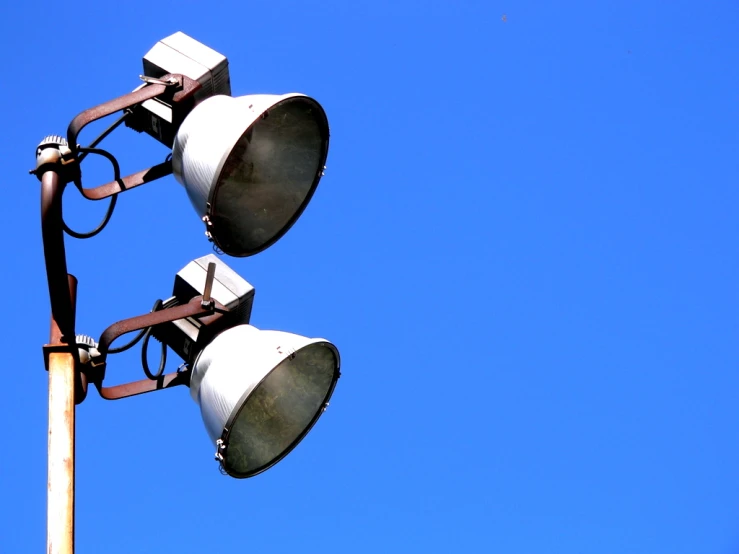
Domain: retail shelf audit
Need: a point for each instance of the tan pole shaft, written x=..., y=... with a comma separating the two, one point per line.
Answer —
x=60, y=505
x=60, y=491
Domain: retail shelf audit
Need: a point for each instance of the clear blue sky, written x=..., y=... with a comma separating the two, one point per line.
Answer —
x=525, y=248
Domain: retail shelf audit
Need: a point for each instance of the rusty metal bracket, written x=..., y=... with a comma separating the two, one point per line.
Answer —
x=95, y=371
x=60, y=347
x=145, y=385
x=80, y=379
x=127, y=183
x=180, y=96
x=110, y=107
x=193, y=308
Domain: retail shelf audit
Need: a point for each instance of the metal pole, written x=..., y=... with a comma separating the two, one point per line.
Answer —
x=60, y=506
x=62, y=383
x=52, y=232
x=62, y=372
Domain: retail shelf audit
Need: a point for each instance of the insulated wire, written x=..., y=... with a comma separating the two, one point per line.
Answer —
x=158, y=305
x=113, y=199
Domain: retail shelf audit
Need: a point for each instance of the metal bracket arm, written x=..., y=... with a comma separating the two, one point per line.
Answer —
x=127, y=183
x=143, y=386
x=62, y=305
x=181, y=96
x=110, y=107
x=95, y=371
x=194, y=308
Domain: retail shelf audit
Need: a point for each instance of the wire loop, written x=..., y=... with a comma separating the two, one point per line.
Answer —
x=113, y=199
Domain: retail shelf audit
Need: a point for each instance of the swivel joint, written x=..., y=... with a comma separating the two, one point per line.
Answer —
x=54, y=153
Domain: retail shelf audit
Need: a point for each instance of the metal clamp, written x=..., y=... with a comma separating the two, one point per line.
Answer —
x=220, y=446
x=207, y=301
x=172, y=81
x=53, y=151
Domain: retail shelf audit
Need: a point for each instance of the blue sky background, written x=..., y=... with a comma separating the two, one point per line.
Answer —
x=524, y=248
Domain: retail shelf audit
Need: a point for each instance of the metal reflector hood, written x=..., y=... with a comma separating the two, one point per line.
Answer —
x=250, y=165
x=260, y=392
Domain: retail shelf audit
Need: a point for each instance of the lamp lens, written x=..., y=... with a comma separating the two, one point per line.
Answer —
x=281, y=410
x=269, y=176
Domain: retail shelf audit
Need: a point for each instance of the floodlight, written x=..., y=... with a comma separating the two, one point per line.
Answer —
x=260, y=392
x=250, y=165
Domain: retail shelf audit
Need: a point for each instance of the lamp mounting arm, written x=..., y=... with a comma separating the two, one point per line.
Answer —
x=175, y=90
x=95, y=369
x=195, y=308
x=145, y=385
x=110, y=107
x=177, y=87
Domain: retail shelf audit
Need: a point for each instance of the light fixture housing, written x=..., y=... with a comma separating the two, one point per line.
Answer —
x=260, y=393
x=187, y=337
x=183, y=55
x=250, y=165
x=180, y=53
